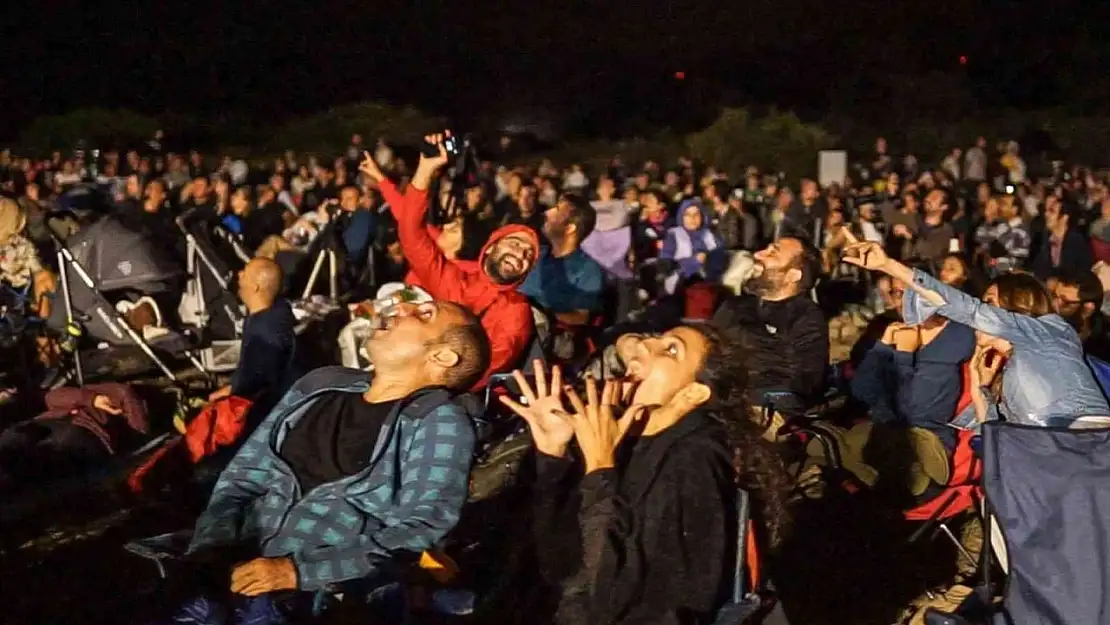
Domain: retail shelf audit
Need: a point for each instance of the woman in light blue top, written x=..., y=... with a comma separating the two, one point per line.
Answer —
x=1045, y=378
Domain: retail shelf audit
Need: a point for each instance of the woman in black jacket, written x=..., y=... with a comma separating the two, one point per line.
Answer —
x=638, y=524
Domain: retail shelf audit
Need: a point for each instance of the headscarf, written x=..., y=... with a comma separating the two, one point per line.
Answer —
x=703, y=239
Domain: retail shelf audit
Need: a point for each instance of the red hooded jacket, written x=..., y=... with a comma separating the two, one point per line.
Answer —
x=506, y=314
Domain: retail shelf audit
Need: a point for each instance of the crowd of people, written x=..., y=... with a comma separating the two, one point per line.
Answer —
x=705, y=297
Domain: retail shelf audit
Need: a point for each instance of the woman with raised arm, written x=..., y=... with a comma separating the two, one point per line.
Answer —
x=637, y=524
x=1045, y=379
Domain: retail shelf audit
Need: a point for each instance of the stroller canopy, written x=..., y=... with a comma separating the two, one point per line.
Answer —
x=117, y=257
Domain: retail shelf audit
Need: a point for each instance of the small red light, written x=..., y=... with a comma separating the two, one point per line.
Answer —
x=680, y=75
x=963, y=60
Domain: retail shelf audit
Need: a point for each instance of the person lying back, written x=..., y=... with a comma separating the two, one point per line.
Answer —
x=351, y=468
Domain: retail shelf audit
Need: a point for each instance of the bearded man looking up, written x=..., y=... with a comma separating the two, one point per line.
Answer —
x=786, y=335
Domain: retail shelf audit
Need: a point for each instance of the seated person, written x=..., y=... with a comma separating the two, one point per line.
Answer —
x=694, y=245
x=913, y=376
x=486, y=287
x=266, y=367
x=638, y=523
x=1078, y=296
x=650, y=226
x=298, y=236
x=81, y=428
x=788, y=338
x=355, y=226
x=20, y=265
x=1035, y=372
x=251, y=222
x=22, y=269
x=350, y=469
x=566, y=282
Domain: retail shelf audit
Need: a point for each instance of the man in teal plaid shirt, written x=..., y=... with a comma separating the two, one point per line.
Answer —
x=350, y=468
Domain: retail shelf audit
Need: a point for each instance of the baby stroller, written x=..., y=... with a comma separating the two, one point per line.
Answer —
x=209, y=306
x=104, y=264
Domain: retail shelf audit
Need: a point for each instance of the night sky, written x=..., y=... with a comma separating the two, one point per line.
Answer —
x=595, y=60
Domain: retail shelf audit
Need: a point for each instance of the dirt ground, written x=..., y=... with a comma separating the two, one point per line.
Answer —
x=847, y=563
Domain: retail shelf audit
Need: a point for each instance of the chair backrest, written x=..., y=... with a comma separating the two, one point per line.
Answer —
x=1101, y=370
x=744, y=602
x=1046, y=488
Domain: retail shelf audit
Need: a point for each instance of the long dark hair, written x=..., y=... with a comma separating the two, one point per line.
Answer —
x=759, y=468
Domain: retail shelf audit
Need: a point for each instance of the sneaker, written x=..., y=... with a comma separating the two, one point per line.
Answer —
x=200, y=611
x=260, y=610
x=451, y=602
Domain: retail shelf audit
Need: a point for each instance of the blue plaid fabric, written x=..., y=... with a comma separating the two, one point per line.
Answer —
x=407, y=499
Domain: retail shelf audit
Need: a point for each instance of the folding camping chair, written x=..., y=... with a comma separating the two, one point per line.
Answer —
x=960, y=494
x=745, y=604
x=1045, y=487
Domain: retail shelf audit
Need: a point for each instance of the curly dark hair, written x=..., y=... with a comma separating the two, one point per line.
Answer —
x=759, y=467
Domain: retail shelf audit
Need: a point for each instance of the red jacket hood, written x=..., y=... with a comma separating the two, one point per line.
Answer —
x=501, y=233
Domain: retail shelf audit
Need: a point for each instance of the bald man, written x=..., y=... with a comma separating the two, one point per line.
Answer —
x=266, y=367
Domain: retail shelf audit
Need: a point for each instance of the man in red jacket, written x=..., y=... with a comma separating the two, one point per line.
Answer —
x=486, y=286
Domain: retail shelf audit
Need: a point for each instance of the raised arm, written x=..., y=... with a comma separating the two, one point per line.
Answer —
x=439, y=276
x=928, y=296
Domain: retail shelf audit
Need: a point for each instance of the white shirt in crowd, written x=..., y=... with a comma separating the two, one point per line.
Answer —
x=975, y=164
x=576, y=180
x=67, y=180
x=870, y=232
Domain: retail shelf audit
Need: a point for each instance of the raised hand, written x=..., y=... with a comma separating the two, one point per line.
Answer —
x=865, y=254
x=985, y=365
x=543, y=410
x=441, y=158
x=370, y=167
x=597, y=431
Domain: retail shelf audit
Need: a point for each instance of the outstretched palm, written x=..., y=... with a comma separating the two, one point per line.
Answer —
x=543, y=410
x=598, y=432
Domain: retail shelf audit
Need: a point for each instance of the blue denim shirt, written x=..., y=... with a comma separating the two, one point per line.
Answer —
x=1046, y=381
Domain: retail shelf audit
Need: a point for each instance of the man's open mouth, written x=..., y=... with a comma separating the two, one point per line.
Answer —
x=511, y=264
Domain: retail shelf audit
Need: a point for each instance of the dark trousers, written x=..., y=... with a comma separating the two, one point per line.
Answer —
x=47, y=448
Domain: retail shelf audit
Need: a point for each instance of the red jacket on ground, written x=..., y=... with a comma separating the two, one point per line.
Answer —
x=506, y=314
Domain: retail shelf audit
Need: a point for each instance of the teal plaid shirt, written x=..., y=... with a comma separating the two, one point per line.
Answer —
x=407, y=499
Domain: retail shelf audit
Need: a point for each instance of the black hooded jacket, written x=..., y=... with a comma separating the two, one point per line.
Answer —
x=649, y=542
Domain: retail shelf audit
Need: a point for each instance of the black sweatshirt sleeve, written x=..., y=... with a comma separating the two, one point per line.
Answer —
x=558, y=555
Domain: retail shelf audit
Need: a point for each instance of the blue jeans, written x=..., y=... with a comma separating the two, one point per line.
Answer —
x=260, y=610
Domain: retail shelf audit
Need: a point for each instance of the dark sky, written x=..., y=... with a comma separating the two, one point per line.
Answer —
x=467, y=58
